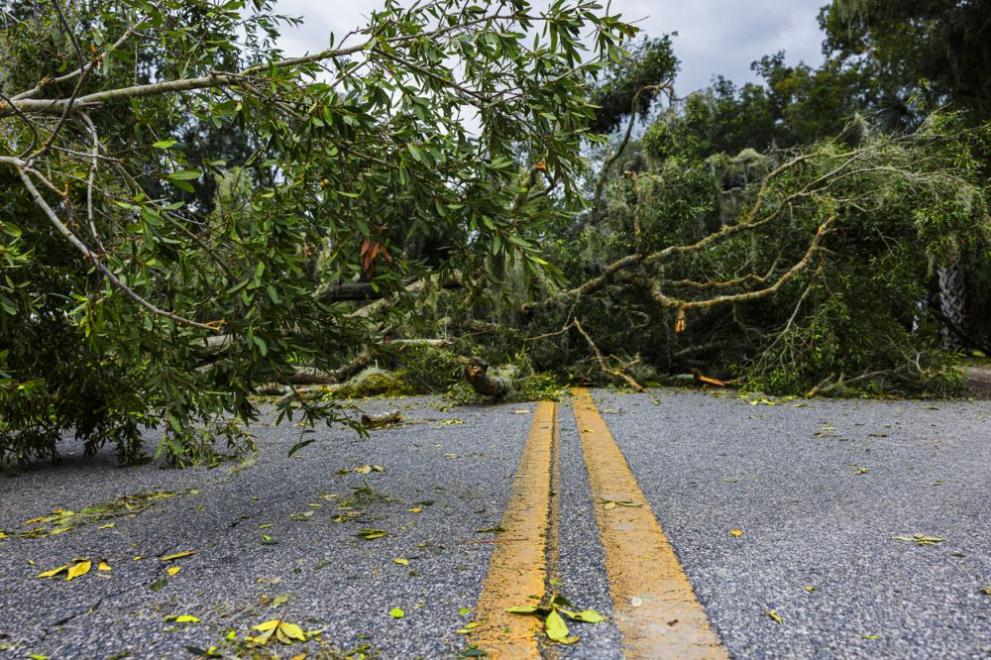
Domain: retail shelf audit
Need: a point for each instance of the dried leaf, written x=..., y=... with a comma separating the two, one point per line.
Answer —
x=736, y=532
x=774, y=616
x=402, y=561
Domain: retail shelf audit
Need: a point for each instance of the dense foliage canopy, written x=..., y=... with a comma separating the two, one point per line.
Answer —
x=190, y=214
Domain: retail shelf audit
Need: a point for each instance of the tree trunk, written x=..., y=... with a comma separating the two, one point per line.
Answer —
x=477, y=375
x=952, y=302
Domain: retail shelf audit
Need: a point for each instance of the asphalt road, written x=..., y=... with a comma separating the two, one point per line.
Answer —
x=818, y=488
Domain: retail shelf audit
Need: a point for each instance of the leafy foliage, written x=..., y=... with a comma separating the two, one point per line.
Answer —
x=182, y=203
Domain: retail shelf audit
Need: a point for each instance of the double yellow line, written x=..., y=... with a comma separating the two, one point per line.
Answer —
x=654, y=606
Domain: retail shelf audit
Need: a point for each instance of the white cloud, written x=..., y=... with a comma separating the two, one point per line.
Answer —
x=714, y=36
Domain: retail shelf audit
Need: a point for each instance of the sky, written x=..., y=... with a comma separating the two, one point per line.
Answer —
x=714, y=36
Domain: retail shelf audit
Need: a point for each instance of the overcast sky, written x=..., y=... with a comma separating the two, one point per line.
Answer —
x=714, y=36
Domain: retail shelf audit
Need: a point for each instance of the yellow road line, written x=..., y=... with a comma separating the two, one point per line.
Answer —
x=518, y=568
x=655, y=607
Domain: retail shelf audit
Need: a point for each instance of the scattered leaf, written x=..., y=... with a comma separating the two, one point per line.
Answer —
x=415, y=509
x=397, y=613
x=178, y=555
x=158, y=584
x=78, y=569
x=736, y=532
x=285, y=632
x=103, y=566
x=402, y=561
x=774, y=616
x=872, y=637
x=268, y=540
x=920, y=539
x=173, y=570
x=465, y=611
x=488, y=530
x=985, y=590
x=53, y=572
x=862, y=470
x=371, y=534
x=525, y=609
x=809, y=588
x=467, y=628
x=557, y=629
x=182, y=618
x=368, y=469
x=587, y=616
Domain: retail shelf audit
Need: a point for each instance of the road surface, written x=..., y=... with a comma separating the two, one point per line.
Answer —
x=697, y=524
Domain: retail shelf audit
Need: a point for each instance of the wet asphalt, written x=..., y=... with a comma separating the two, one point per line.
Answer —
x=819, y=489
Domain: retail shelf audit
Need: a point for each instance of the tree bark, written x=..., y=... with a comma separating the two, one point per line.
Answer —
x=477, y=375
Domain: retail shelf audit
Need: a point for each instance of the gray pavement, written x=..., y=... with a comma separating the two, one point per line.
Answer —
x=819, y=489
x=458, y=474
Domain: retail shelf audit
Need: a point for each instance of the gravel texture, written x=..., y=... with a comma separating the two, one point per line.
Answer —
x=332, y=579
x=819, y=489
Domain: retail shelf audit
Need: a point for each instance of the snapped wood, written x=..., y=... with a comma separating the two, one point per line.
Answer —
x=517, y=572
x=654, y=605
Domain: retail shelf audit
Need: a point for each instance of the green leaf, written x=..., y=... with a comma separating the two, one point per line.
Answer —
x=397, y=613
x=557, y=629
x=299, y=445
x=587, y=616
x=164, y=144
x=525, y=609
x=184, y=175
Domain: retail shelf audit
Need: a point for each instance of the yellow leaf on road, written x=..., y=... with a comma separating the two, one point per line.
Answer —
x=267, y=625
x=53, y=572
x=183, y=618
x=292, y=631
x=736, y=533
x=173, y=570
x=178, y=555
x=79, y=569
x=103, y=566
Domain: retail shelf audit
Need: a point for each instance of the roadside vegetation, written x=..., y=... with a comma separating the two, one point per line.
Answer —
x=488, y=200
